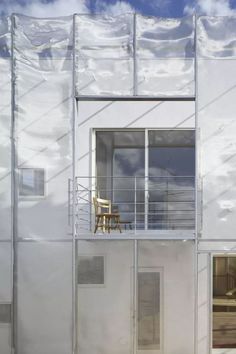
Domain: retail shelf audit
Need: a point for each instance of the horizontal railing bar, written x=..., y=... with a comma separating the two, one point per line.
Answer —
x=172, y=207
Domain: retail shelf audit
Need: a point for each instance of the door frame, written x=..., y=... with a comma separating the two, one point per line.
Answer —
x=160, y=270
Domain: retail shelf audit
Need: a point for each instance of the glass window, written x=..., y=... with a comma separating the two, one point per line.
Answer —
x=224, y=302
x=149, y=319
x=5, y=313
x=120, y=156
x=91, y=270
x=171, y=169
x=165, y=199
x=31, y=182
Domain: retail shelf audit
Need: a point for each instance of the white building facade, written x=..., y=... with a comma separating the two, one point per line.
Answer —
x=139, y=112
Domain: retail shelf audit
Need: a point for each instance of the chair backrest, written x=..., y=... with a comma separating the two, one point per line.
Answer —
x=101, y=205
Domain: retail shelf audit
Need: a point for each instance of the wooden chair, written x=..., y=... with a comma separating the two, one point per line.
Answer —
x=104, y=218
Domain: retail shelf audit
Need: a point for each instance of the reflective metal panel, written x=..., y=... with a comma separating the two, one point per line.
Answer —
x=216, y=37
x=104, y=52
x=165, y=56
x=216, y=122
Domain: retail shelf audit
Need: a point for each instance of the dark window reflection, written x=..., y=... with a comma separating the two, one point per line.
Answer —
x=169, y=199
x=31, y=182
x=224, y=302
x=120, y=156
x=171, y=179
x=91, y=270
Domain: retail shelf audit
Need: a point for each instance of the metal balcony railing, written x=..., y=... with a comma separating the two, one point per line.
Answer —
x=143, y=203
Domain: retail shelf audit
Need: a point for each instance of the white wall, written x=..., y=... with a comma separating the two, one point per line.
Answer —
x=106, y=114
x=177, y=261
x=105, y=312
x=217, y=126
x=44, y=317
x=44, y=121
x=43, y=115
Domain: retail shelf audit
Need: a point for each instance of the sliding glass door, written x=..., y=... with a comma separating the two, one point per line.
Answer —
x=171, y=170
x=120, y=170
x=148, y=175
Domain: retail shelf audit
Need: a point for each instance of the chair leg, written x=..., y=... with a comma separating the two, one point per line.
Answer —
x=96, y=224
x=104, y=224
x=109, y=225
x=118, y=223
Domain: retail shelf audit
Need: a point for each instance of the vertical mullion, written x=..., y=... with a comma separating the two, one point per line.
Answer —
x=13, y=194
x=135, y=296
x=146, y=180
x=74, y=243
x=210, y=298
x=135, y=86
x=196, y=194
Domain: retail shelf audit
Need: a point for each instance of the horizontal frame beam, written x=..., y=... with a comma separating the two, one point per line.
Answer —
x=135, y=98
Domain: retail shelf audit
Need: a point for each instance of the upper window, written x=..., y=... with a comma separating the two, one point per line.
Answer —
x=31, y=182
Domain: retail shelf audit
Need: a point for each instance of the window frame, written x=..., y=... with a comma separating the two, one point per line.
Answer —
x=104, y=270
x=211, y=312
x=32, y=197
x=93, y=168
x=10, y=320
x=159, y=270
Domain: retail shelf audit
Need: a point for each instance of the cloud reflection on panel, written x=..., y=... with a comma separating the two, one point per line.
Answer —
x=43, y=112
x=110, y=59
x=216, y=97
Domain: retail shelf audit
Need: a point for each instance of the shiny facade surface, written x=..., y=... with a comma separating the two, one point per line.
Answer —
x=216, y=121
x=155, y=56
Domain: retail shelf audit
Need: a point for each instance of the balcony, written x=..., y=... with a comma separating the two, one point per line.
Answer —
x=154, y=206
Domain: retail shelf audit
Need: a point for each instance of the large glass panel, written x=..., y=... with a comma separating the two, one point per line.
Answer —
x=105, y=303
x=171, y=179
x=120, y=157
x=224, y=302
